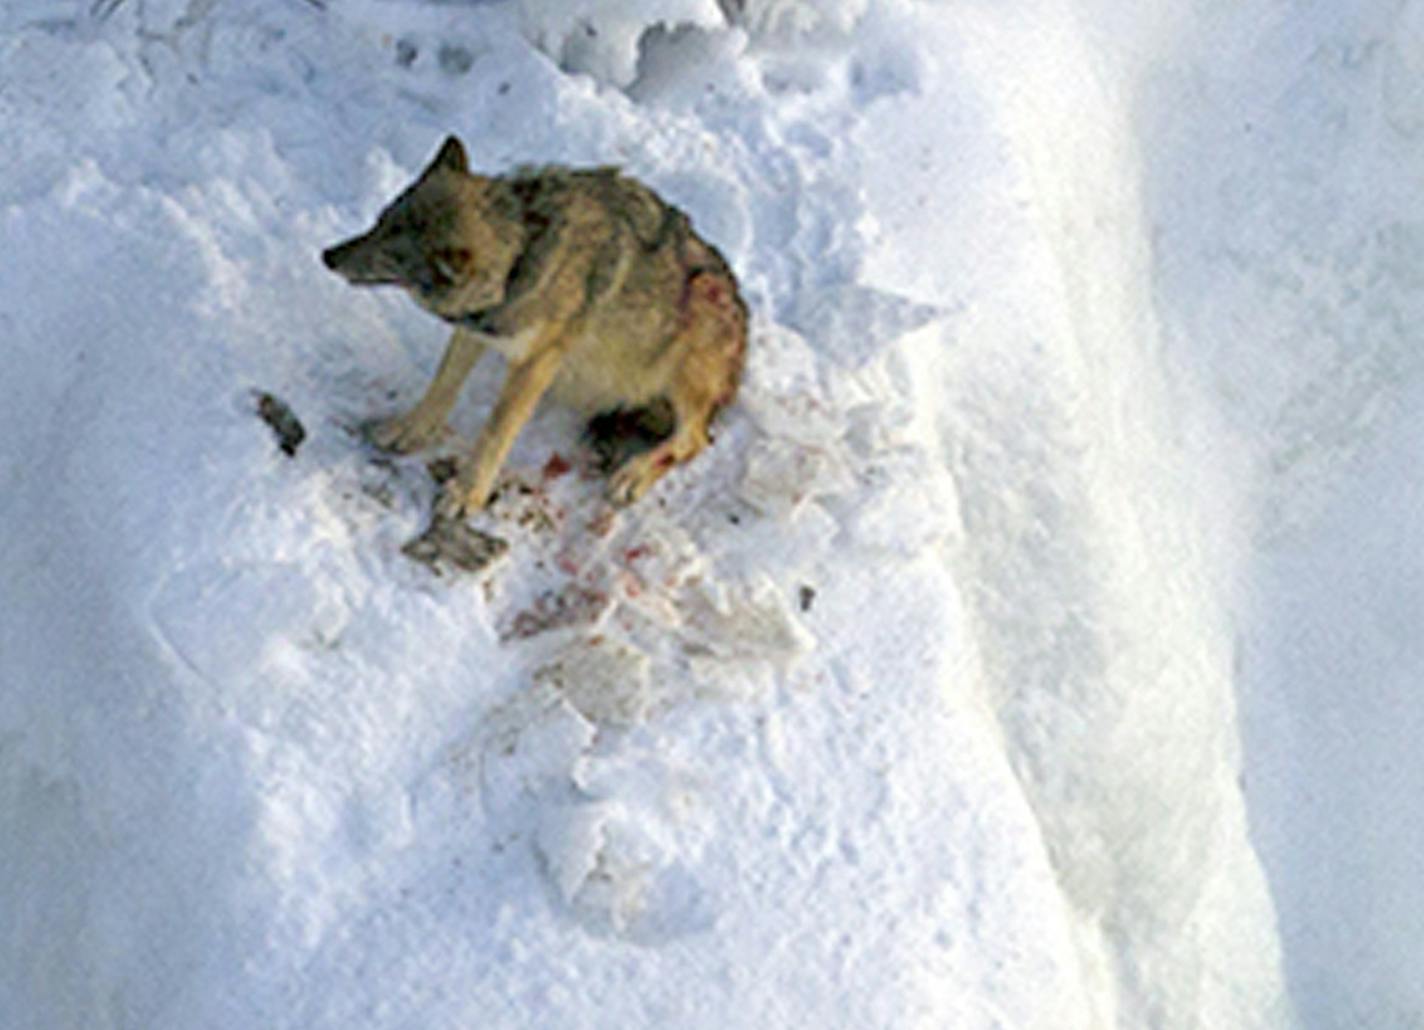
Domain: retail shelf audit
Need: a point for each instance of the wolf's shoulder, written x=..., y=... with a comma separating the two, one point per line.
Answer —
x=545, y=192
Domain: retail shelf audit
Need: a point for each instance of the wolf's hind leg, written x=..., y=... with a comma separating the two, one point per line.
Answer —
x=420, y=425
x=709, y=367
x=636, y=475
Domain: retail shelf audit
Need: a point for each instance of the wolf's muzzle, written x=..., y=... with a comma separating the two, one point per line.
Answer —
x=352, y=261
x=332, y=257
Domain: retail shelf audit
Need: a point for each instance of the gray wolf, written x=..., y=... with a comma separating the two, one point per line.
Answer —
x=593, y=289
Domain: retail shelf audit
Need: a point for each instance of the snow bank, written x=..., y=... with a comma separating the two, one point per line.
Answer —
x=1289, y=269
x=1105, y=653
x=908, y=704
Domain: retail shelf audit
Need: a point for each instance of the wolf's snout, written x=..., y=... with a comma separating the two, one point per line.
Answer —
x=331, y=256
x=358, y=263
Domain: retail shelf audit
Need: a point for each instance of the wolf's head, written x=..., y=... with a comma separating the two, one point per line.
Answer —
x=449, y=240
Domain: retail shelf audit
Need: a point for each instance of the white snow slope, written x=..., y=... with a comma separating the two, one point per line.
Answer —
x=1075, y=420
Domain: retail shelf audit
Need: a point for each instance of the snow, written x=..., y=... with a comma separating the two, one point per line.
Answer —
x=1290, y=264
x=1032, y=649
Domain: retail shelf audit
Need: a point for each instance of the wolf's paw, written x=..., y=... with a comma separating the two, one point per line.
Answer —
x=636, y=476
x=628, y=483
x=400, y=433
x=458, y=501
x=453, y=504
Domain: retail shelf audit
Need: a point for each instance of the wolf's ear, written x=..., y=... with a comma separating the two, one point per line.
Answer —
x=452, y=156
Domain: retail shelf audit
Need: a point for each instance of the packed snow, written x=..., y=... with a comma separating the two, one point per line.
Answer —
x=1033, y=647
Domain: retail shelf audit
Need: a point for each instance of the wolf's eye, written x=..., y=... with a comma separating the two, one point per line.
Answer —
x=450, y=262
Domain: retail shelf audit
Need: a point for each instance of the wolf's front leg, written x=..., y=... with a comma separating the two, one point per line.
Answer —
x=420, y=425
x=469, y=490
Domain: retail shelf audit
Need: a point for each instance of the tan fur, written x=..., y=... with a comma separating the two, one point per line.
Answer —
x=588, y=284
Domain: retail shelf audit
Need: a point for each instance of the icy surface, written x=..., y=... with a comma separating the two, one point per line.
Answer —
x=1076, y=420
